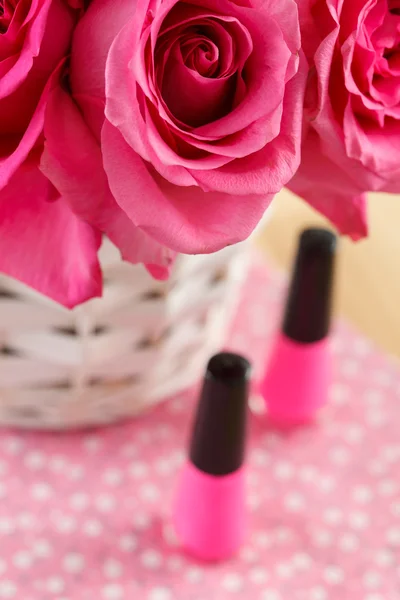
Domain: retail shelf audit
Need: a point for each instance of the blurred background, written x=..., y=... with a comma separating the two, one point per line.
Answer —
x=368, y=276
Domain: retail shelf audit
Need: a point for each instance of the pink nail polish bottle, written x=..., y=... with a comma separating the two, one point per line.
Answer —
x=209, y=512
x=298, y=374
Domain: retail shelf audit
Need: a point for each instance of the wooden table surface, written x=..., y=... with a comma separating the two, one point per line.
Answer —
x=368, y=275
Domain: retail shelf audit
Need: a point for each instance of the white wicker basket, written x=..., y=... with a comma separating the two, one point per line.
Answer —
x=111, y=357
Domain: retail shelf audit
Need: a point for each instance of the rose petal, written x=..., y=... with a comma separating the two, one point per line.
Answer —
x=266, y=171
x=43, y=243
x=15, y=155
x=330, y=190
x=72, y=161
x=193, y=221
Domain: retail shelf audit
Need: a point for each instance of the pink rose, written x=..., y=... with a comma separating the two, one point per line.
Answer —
x=196, y=109
x=34, y=38
x=42, y=241
x=352, y=106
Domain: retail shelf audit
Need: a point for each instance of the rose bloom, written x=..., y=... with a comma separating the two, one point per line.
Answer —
x=184, y=121
x=42, y=241
x=352, y=107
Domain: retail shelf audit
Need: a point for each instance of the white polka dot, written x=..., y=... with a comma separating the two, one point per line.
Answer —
x=361, y=346
x=141, y=521
x=393, y=536
x=294, y=502
x=232, y=582
x=383, y=378
x=322, y=539
x=362, y=494
x=35, y=460
x=359, y=520
x=55, y=585
x=42, y=548
x=248, y=555
x=260, y=457
x=22, y=560
x=333, y=516
x=149, y=492
x=3, y=490
x=318, y=593
x=348, y=542
x=376, y=467
x=128, y=542
x=163, y=466
x=372, y=579
x=283, y=471
x=41, y=491
x=307, y=473
x=384, y=558
x=302, y=561
x=160, y=593
x=13, y=445
x=257, y=404
x=8, y=589
x=7, y=526
x=112, y=591
x=194, y=575
x=253, y=500
x=391, y=453
x=113, y=477
x=64, y=523
x=339, y=456
x=350, y=368
x=151, y=559
x=374, y=597
x=263, y=539
x=270, y=595
x=353, y=434
x=283, y=534
x=258, y=575
x=326, y=484
x=284, y=570
x=79, y=501
x=375, y=417
x=112, y=568
x=105, y=503
x=138, y=469
x=395, y=509
x=373, y=396
x=339, y=394
x=388, y=487
x=74, y=562
x=57, y=463
x=170, y=535
x=76, y=472
x=174, y=563
x=92, y=444
x=92, y=528
x=26, y=520
x=129, y=450
x=333, y=575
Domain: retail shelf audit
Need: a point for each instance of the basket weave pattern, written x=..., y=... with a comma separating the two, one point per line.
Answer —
x=116, y=355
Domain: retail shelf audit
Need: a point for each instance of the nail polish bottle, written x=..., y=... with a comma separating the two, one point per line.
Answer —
x=209, y=513
x=298, y=375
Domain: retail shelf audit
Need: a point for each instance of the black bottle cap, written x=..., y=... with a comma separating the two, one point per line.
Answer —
x=219, y=433
x=308, y=309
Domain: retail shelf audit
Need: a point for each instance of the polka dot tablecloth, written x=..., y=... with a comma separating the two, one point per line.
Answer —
x=84, y=516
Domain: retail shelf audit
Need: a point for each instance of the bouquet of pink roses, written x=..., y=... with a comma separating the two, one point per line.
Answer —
x=169, y=125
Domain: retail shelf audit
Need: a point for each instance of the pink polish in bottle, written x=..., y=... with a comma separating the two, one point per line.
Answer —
x=298, y=376
x=209, y=512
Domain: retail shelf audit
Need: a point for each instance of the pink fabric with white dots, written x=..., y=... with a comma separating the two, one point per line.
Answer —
x=85, y=516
